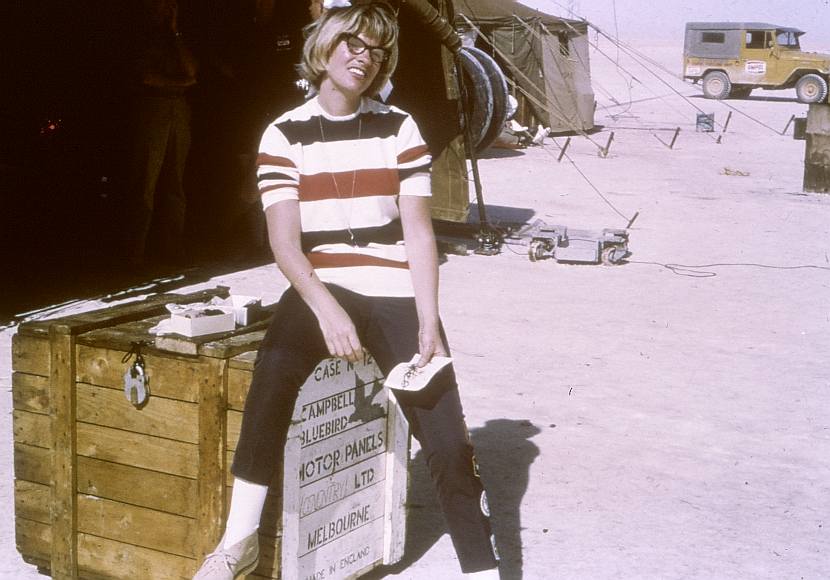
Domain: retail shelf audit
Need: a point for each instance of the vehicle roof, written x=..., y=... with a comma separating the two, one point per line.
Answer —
x=740, y=26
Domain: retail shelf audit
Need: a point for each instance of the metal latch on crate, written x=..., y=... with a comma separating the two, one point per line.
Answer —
x=136, y=381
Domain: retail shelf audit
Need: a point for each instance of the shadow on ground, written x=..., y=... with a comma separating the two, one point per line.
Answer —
x=505, y=453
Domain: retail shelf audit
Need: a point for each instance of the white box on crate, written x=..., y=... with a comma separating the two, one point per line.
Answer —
x=200, y=321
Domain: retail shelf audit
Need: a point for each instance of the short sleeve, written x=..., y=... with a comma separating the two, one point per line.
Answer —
x=414, y=160
x=276, y=168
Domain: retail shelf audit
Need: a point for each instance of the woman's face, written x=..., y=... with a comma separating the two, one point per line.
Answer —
x=351, y=68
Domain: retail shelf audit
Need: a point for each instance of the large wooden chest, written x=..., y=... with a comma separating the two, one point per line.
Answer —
x=106, y=490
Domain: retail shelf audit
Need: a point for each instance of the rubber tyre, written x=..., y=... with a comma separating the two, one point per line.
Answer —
x=811, y=89
x=498, y=85
x=478, y=101
x=716, y=85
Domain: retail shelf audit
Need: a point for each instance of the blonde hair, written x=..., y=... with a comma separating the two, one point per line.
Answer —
x=376, y=20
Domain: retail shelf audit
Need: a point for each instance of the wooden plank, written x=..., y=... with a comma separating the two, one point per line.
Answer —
x=239, y=380
x=212, y=437
x=136, y=449
x=159, y=417
x=397, y=484
x=34, y=541
x=234, y=424
x=31, y=501
x=32, y=463
x=141, y=487
x=62, y=418
x=30, y=392
x=104, y=558
x=169, y=377
x=31, y=429
x=30, y=354
x=270, y=550
x=137, y=525
x=114, y=315
x=246, y=339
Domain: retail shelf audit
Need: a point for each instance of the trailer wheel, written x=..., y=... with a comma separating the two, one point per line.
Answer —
x=716, y=85
x=811, y=89
x=611, y=255
x=536, y=251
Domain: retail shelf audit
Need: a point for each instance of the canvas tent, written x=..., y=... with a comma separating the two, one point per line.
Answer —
x=544, y=57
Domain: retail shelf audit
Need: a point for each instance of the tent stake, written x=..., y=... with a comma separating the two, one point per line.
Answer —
x=674, y=139
x=726, y=123
x=787, y=126
x=604, y=151
x=564, y=149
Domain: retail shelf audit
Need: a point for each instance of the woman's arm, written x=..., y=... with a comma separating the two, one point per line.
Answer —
x=283, y=219
x=422, y=255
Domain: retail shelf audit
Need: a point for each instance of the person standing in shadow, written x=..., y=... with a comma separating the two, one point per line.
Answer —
x=164, y=69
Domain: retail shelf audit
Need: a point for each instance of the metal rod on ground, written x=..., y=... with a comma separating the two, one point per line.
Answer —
x=564, y=149
x=787, y=126
x=726, y=123
x=604, y=151
x=674, y=139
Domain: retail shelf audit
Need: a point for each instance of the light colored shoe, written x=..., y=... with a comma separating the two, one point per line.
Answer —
x=230, y=563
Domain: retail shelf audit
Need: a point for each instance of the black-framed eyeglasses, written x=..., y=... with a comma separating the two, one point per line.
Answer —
x=377, y=54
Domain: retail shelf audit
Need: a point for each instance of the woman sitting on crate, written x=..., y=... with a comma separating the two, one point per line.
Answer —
x=346, y=190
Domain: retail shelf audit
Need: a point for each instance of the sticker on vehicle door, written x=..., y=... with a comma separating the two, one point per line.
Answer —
x=692, y=71
x=755, y=67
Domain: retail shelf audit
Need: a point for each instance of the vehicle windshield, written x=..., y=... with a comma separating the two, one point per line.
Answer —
x=787, y=40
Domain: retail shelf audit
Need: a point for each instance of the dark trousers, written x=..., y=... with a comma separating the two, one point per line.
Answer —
x=388, y=329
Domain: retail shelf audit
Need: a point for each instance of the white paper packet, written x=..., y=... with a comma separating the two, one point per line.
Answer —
x=408, y=377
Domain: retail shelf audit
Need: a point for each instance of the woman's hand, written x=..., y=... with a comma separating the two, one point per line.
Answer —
x=340, y=333
x=430, y=343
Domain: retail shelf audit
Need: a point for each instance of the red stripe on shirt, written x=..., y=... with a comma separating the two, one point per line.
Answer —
x=413, y=154
x=265, y=159
x=327, y=260
x=367, y=183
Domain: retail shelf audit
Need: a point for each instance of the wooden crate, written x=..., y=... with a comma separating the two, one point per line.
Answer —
x=105, y=490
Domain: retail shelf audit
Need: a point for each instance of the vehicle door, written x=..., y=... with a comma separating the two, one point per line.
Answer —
x=758, y=59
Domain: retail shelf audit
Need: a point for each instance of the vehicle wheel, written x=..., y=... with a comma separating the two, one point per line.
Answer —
x=716, y=85
x=740, y=92
x=611, y=255
x=536, y=251
x=811, y=89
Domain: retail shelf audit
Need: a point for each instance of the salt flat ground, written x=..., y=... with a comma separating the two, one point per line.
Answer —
x=664, y=418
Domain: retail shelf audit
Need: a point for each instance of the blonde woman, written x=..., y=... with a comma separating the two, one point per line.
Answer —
x=345, y=185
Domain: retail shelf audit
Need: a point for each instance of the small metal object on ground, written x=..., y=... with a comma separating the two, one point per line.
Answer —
x=705, y=123
x=608, y=246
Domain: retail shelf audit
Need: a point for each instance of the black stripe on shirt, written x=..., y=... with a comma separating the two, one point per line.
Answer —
x=373, y=125
x=390, y=233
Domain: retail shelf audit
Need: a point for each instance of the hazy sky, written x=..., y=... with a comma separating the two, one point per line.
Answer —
x=641, y=21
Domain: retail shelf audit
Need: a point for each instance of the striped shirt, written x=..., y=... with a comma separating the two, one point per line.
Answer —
x=347, y=173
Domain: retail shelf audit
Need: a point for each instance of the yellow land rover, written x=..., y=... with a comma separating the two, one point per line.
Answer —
x=732, y=58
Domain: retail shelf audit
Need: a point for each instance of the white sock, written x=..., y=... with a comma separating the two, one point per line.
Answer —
x=247, y=500
x=491, y=574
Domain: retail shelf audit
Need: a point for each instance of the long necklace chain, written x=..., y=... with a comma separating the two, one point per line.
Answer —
x=334, y=180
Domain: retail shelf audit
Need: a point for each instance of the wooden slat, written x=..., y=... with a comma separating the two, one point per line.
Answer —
x=141, y=487
x=34, y=541
x=62, y=417
x=159, y=417
x=247, y=340
x=212, y=437
x=30, y=393
x=104, y=558
x=112, y=315
x=145, y=451
x=169, y=377
x=32, y=463
x=234, y=419
x=31, y=501
x=239, y=380
x=31, y=429
x=136, y=525
x=30, y=354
